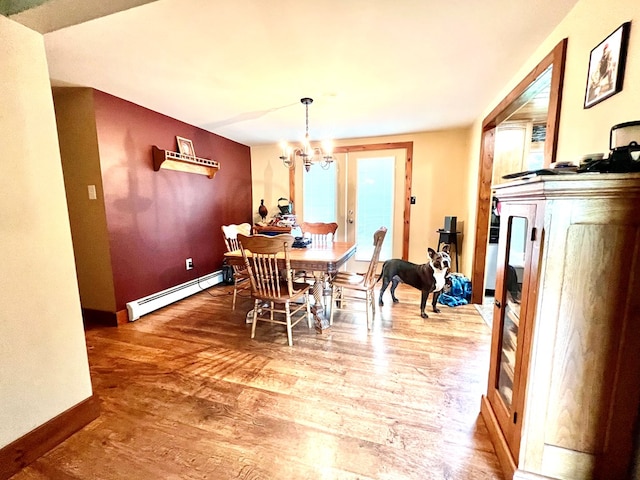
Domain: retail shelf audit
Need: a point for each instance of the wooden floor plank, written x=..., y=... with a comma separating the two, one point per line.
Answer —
x=186, y=394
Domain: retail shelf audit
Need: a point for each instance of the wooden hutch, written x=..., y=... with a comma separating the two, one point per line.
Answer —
x=564, y=382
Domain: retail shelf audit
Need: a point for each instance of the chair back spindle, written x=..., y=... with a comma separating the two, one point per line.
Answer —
x=264, y=257
x=348, y=287
x=378, y=239
x=321, y=234
x=230, y=235
x=267, y=262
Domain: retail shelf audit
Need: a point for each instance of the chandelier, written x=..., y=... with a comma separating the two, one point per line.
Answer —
x=321, y=155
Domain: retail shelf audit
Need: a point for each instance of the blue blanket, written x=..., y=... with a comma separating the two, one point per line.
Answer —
x=458, y=294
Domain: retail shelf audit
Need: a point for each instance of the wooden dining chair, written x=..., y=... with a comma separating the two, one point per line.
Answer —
x=240, y=274
x=272, y=287
x=321, y=234
x=347, y=287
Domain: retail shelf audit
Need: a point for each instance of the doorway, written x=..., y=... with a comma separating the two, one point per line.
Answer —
x=372, y=182
x=514, y=102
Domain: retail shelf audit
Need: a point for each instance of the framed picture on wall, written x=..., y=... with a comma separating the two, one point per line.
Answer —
x=606, y=66
x=185, y=146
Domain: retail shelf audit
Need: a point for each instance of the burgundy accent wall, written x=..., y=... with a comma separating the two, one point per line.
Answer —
x=156, y=220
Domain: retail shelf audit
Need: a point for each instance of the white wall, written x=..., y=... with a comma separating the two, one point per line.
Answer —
x=43, y=359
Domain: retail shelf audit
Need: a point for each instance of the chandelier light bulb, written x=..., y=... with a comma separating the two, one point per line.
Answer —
x=284, y=147
x=309, y=154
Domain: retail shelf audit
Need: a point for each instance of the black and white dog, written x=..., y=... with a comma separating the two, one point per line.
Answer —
x=428, y=277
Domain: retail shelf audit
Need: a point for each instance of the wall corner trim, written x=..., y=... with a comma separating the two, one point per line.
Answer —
x=28, y=448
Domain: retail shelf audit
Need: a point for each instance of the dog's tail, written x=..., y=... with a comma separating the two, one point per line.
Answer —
x=381, y=271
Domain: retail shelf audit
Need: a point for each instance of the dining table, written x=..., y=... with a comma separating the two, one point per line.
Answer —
x=324, y=261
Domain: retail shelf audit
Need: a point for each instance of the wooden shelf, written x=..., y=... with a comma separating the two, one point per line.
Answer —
x=509, y=357
x=512, y=317
x=183, y=163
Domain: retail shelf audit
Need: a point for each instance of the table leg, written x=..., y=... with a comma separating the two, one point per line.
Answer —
x=320, y=321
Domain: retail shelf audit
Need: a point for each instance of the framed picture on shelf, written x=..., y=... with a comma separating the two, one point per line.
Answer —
x=185, y=146
x=606, y=66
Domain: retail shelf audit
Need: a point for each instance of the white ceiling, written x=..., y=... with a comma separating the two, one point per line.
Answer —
x=373, y=67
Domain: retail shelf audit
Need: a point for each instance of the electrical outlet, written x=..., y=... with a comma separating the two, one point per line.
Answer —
x=189, y=263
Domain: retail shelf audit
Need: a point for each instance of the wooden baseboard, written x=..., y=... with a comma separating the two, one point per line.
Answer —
x=99, y=317
x=497, y=438
x=122, y=317
x=28, y=448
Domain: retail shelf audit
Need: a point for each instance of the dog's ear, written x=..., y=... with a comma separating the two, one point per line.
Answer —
x=431, y=252
x=446, y=248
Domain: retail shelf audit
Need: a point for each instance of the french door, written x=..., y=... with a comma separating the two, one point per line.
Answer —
x=366, y=190
x=373, y=196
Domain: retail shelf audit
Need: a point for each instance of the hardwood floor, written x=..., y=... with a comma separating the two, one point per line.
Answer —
x=186, y=394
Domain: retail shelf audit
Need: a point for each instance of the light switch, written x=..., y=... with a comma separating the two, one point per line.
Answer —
x=92, y=192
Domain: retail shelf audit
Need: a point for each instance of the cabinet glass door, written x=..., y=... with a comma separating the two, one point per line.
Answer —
x=507, y=378
x=511, y=298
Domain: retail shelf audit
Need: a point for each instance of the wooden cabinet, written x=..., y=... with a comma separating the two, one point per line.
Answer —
x=519, y=238
x=564, y=383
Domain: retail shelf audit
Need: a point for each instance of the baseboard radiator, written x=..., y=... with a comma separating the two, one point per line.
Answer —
x=148, y=304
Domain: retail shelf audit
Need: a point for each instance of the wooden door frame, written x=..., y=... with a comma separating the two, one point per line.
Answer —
x=556, y=58
x=408, y=147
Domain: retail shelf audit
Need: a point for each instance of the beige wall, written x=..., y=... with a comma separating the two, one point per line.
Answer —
x=582, y=131
x=472, y=199
x=269, y=179
x=440, y=155
x=75, y=117
x=43, y=359
x=440, y=164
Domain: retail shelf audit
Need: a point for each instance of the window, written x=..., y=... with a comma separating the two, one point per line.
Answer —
x=319, y=194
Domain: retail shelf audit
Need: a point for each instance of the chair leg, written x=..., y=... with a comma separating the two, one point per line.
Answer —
x=235, y=292
x=333, y=305
x=255, y=317
x=338, y=298
x=287, y=309
x=373, y=305
x=372, y=298
x=366, y=306
x=309, y=316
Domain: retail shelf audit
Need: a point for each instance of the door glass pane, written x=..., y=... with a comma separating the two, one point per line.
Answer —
x=511, y=306
x=374, y=204
x=319, y=194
